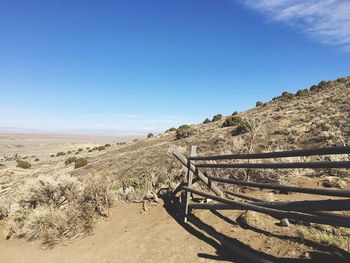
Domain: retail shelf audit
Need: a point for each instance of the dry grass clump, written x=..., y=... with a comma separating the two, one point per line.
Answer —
x=23, y=164
x=54, y=208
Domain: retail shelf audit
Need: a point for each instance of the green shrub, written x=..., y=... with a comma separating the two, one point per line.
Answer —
x=36, y=160
x=287, y=95
x=107, y=145
x=232, y=121
x=184, y=131
x=217, y=117
x=302, y=93
x=70, y=160
x=52, y=155
x=234, y=113
x=90, y=150
x=101, y=148
x=80, y=162
x=150, y=135
x=80, y=150
x=172, y=129
x=23, y=164
x=60, y=154
x=95, y=148
x=206, y=121
x=259, y=104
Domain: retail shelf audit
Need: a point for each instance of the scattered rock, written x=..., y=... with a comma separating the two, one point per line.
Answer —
x=333, y=182
x=284, y=222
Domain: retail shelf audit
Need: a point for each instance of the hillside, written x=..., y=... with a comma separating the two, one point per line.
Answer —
x=40, y=202
x=311, y=118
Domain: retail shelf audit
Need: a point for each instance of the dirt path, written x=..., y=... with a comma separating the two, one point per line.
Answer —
x=130, y=235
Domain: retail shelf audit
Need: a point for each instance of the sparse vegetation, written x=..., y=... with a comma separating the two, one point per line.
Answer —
x=70, y=160
x=287, y=95
x=150, y=135
x=101, y=148
x=217, y=117
x=302, y=93
x=184, y=131
x=23, y=164
x=172, y=129
x=60, y=154
x=107, y=145
x=53, y=208
x=234, y=113
x=206, y=121
x=232, y=121
x=36, y=160
x=259, y=104
x=80, y=162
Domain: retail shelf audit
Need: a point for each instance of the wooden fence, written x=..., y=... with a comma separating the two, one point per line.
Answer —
x=313, y=211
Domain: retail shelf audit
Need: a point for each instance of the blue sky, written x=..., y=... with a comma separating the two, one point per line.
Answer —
x=136, y=65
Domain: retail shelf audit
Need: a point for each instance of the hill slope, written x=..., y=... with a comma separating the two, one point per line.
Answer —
x=311, y=118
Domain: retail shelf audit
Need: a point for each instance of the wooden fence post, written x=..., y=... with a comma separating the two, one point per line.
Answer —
x=193, y=152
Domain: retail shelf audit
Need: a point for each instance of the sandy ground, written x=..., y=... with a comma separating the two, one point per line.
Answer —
x=44, y=144
x=157, y=234
x=130, y=235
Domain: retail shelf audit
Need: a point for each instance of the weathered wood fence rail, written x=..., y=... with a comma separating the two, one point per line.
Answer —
x=314, y=211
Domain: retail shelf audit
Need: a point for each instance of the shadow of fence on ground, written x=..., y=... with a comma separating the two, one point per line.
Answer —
x=208, y=234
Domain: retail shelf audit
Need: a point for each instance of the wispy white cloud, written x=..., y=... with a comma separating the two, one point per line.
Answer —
x=326, y=20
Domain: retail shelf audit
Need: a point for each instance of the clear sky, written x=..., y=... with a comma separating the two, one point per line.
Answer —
x=147, y=65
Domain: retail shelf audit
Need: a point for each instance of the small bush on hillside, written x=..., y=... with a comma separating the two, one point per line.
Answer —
x=23, y=164
x=184, y=131
x=287, y=95
x=107, y=145
x=234, y=113
x=172, y=129
x=232, y=121
x=150, y=135
x=206, y=121
x=80, y=162
x=95, y=148
x=70, y=160
x=313, y=87
x=302, y=93
x=217, y=117
x=101, y=148
x=36, y=160
x=80, y=150
x=258, y=104
x=52, y=155
x=60, y=154
x=69, y=152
